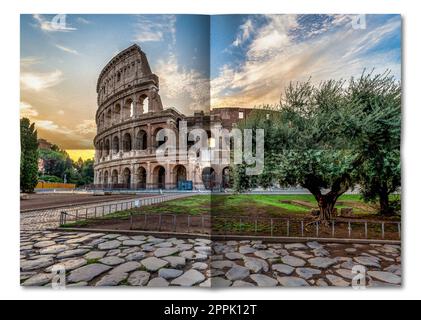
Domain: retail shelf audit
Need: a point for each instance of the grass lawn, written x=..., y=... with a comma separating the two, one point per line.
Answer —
x=238, y=214
x=248, y=205
x=278, y=205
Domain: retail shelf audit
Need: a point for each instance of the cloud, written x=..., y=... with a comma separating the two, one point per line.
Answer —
x=281, y=50
x=39, y=81
x=78, y=138
x=68, y=50
x=179, y=85
x=245, y=31
x=49, y=126
x=57, y=24
x=87, y=127
x=27, y=110
x=29, y=61
x=152, y=28
x=83, y=20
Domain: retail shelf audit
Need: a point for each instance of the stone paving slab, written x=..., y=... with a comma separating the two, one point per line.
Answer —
x=95, y=259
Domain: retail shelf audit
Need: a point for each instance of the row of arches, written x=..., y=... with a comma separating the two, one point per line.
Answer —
x=112, y=146
x=122, y=111
x=139, y=179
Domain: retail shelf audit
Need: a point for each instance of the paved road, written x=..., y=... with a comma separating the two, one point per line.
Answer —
x=43, y=219
x=93, y=259
x=43, y=201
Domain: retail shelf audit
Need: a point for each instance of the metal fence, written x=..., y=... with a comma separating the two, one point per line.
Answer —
x=50, y=218
x=237, y=225
x=100, y=211
x=287, y=227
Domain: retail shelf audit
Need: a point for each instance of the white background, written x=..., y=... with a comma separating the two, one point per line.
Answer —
x=9, y=146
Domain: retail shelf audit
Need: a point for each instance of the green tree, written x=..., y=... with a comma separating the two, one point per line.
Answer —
x=330, y=137
x=29, y=156
x=56, y=162
x=87, y=171
x=378, y=101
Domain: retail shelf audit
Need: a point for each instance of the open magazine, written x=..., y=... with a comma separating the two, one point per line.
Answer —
x=210, y=151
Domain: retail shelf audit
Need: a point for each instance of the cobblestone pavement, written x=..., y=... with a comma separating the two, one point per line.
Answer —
x=93, y=259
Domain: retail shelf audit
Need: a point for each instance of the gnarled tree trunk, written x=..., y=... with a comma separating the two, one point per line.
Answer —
x=384, y=203
x=326, y=205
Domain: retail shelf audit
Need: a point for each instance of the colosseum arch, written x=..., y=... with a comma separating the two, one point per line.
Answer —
x=105, y=182
x=116, y=113
x=108, y=117
x=159, y=177
x=114, y=177
x=155, y=142
x=116, y=145
x=141, y=178
x=101, y=121
x=179, y=174
x=141, y=142
x=127, y=178
x=100, y=149
x=226, y=178
x=142, y=104
x=127, y=142
x=128, y=109
x=208, y=177
x=107, y=147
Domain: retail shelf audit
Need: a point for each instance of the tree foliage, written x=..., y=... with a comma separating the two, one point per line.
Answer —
x=28, y=156
x=378, y=100
x=59, y=167
x=330, y=137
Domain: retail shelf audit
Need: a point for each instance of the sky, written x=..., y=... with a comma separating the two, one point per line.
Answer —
x=202, y=62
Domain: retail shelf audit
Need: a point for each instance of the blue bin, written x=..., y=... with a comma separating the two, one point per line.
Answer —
x=185, y=185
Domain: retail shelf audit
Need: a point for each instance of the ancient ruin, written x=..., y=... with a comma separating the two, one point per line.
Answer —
x=130, y=114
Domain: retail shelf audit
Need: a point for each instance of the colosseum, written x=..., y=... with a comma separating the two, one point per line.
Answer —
x=129, y=116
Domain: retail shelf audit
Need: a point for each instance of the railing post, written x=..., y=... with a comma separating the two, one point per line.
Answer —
x=302, y=228
x=288, y=228
x=349, y=229
x=399, y=229
x=271, y=227
x=333, y=228
x=382, y=230
x=175, y=223
x=317, y=229
x=366, y=229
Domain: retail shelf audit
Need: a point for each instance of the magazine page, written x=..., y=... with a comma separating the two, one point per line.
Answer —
x=210, y=151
